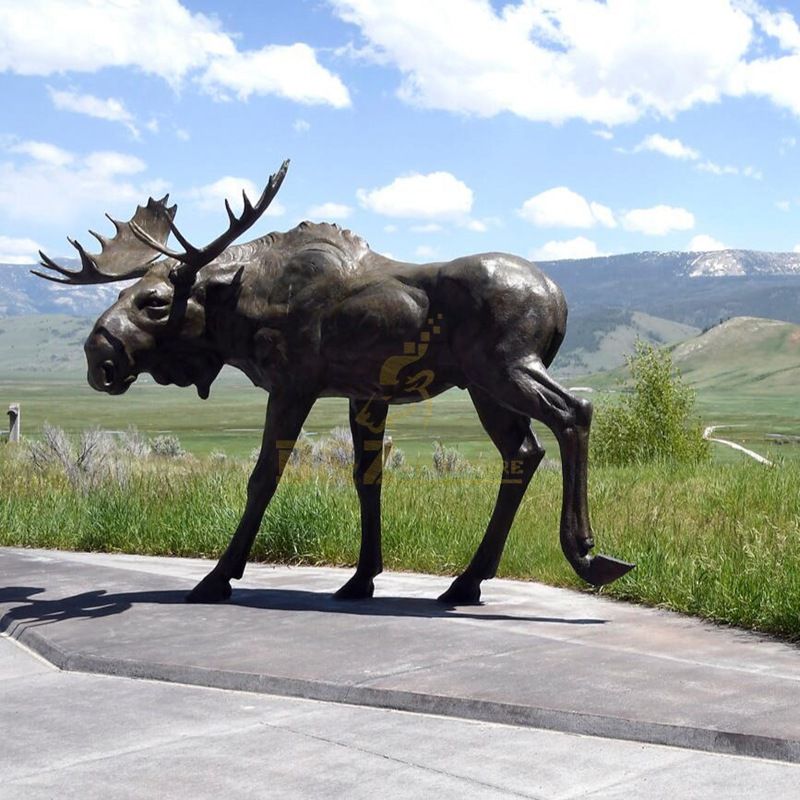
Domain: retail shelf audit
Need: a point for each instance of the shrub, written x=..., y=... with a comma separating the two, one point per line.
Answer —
x=133, y=443
x=168, y=446
x=302, y=450
x=396, y=459
x=86, y=463
x=334, y=450
x=652, y=422
x=448, y=461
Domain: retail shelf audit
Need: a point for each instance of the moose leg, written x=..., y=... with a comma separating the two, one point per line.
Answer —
x=528, y=389
x=367, y=424
x=285, y=418
x=522, y=454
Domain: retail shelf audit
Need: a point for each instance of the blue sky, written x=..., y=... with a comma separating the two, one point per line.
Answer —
x=434, y=128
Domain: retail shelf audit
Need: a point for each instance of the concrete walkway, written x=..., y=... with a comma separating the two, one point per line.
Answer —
x=74, y=736
x=531, y=656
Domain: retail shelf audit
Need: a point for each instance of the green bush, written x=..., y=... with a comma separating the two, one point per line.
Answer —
x=652, y=422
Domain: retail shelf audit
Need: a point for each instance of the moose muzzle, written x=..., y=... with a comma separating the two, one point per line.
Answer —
x=108, y=365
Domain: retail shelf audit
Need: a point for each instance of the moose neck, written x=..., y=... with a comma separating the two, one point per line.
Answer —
x=235, y=292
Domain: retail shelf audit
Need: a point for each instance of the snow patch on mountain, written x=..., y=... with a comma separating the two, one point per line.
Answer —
x=724, y=263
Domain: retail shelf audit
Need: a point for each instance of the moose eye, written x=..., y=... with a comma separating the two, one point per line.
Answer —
x=153, y=301
x=154, y=306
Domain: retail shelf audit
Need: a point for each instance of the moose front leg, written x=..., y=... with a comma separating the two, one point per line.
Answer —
x=285, y=417
x=367, y=424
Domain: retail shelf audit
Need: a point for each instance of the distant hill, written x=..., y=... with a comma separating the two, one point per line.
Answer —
x=745, y=367
x=744, y=355
x=43, y=344
x=22, y=293
x=599, y=339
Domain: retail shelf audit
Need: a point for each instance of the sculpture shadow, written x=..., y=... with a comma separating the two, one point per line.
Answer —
x=98, y=603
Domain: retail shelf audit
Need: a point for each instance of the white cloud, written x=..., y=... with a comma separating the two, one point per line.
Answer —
x=44, y=152
x=161, y=38
x=425, y=251
x=212, y=196
x=18, y=251
x=560, y=207
x=109, y=109
x=182, y=134
x=290, y=71
x=49, y=185
x=729, y=169
x=108, y=162
x=438, y=195
x=675, y=148
x=783, y=205
x=658, y=220
x=476, y=225
x=390, y=228
x=787, y=144
x=301, y=126
x=608, y=62
x=603, y=134
x=326, y=211
x=579, y=247
x=672, y=148
x=796, y=248
x=776, y=77
x=702, y=243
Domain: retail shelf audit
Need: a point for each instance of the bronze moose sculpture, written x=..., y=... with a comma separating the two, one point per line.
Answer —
x=314, y=312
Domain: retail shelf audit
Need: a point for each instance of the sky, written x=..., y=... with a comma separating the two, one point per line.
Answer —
x=433, y=128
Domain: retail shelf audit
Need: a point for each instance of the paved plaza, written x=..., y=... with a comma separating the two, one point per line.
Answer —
x=113, y=687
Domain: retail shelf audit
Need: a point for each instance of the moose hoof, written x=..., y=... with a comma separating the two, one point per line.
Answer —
x=357, y=588
x=212, y=589
x=603, y=570
x=462, y=592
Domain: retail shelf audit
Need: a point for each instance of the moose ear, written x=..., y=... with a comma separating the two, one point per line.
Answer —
x=223, y=276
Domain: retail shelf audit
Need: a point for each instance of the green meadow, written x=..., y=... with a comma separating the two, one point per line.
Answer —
x=718, y=541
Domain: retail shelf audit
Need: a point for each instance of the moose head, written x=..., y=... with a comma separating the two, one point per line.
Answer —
x=156, y=325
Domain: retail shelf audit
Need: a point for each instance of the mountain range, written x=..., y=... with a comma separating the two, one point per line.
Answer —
x=662, y=297
x=698, y=289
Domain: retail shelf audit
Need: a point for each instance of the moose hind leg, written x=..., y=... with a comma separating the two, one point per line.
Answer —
x=528, y=389
x=522, y=454
x=367, y=425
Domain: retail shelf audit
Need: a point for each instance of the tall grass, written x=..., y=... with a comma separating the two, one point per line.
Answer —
x=717, y=541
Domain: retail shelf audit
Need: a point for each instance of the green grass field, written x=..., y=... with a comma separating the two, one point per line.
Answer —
x=718, y=541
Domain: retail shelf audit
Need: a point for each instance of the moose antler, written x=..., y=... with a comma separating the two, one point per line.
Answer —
x=193, y=259
x=113, y=262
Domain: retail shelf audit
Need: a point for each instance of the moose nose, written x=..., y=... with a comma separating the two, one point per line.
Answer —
x=106, y=372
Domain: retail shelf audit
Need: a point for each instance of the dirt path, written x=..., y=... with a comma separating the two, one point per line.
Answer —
x=711, y=428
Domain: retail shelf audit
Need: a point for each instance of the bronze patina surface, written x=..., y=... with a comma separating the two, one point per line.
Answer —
x=314, y=312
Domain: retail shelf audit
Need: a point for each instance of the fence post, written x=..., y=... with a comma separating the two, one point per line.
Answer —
x=14, y=423
x=387, y=449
